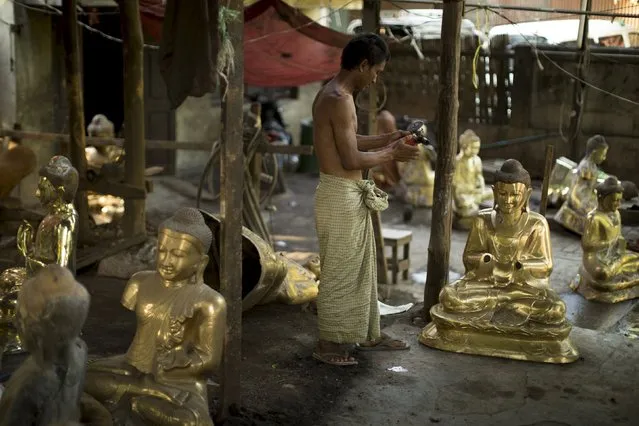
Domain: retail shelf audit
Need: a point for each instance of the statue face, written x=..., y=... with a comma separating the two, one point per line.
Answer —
x=179, y=257
x=611, y=202
x=511, y=197
x=472, y=148
x=599, y=155
x=46, y=192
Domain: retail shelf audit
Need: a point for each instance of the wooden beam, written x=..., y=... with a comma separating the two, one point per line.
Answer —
x=134, y=220
x=370, y=22
x=441, y=224
x=232, y=185
x=117, y=189
x=71, y=40
x=550, y=155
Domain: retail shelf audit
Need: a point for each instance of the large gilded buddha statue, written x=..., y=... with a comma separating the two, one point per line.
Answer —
x=581, y=198
x=179, y=340
x=503, y=305
x=609, y=272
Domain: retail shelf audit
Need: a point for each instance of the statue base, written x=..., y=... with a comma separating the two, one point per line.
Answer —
x=448, y=333
x=581, y=286
x=570, y=220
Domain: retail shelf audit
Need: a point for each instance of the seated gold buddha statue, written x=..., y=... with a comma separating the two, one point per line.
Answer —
x=417, y=178
x=469, y=188
x=178, y=343
x=503, y=305
x=54, y=241
x=581, y=198
x=608, y=273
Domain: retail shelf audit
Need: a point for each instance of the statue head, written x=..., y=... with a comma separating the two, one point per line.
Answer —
x=101, y=127
x=51, y=310
x=469, y=143
x=58, y=181
x=597, y=149
x=512, y=188
x=609, y=194
x=183, y=243
x=364, y=57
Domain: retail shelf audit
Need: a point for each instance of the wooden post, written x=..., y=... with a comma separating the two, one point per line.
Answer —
x=370, y=22
x=441, y=224
x=134, y=221
x=232, y=185
x=550, y=153
x=579, y=93
x=77, y=145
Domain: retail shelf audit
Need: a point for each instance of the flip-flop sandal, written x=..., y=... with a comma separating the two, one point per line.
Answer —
x=326, y=358
x=385, y=344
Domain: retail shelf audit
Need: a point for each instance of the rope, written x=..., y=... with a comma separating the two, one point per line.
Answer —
x=226, y=52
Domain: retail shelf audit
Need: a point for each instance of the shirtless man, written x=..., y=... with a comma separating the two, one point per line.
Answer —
x=347, y=301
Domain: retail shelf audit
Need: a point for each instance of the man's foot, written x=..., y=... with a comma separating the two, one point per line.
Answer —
x=333, y=354
x=384, y=343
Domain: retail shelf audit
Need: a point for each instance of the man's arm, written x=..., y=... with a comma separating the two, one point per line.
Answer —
x=346, y=140
x=368, y=142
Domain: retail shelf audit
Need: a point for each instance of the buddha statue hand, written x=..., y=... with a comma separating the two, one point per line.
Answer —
x=485, y=266
x=25, y=238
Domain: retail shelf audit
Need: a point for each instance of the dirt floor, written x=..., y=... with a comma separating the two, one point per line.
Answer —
x=283, y=385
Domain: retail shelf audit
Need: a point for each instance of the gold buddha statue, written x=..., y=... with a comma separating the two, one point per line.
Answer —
x=503, y=305
x=179, y=340
x=608, y=273
x=54, y=241
x=469, y=188
x=581, y=198
x=418, y=178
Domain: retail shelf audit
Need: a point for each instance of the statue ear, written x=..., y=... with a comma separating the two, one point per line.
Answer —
x=204, y=261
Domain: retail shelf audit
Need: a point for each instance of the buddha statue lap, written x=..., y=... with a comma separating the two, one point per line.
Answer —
x=418, y=178
x=47, y=387
x=609, y=272
x=54, y=242
x=503, y=305
x=581, y=198
x=179, y=339
x=469, y=188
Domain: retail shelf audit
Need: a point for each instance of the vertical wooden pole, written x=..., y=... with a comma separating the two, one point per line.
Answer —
x=77, y=143
x=441, y=224
x=370, y=22
x=579, y=93
x=232, y=178
x=550, y=153
x=134, y=221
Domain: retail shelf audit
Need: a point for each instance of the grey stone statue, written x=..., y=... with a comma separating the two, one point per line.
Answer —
x=47, y=387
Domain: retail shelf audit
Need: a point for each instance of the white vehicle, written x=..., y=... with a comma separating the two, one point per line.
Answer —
x=564, y=32
x=421, y=24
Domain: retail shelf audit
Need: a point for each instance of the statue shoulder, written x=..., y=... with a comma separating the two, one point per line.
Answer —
x=535, y=220
x=212, y=301
x=140, y=277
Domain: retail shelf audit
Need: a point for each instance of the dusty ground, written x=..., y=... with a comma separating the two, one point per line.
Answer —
x=282, y=384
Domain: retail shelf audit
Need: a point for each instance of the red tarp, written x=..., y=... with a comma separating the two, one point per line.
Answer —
x=282, y=46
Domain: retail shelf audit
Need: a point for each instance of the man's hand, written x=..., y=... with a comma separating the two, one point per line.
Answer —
x=398, y=134
x=403, y=152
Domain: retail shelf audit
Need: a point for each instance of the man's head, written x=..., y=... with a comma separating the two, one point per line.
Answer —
x=469, y=143
x=512, y=188
x=609, y=194
x=366, y=56
x=51, y=310
x=58, y=180
x=597, y=149
x=183, y=243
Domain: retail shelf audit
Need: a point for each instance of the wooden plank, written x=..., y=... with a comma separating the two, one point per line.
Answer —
x=96, y=253
x=73, y=75
x=448, y=106
x=232, y=185
x=134, y=220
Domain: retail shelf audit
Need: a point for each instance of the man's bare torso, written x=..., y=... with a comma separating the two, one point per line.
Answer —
x=324, y=131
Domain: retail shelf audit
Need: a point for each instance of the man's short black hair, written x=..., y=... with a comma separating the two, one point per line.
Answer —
x=369, y=47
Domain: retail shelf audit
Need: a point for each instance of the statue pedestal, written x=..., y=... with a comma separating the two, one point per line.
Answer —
x=581, y=286
x=477, y=336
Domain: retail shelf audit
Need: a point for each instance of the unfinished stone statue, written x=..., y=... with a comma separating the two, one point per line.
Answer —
x=102, y=127
x=469, y=188
x=581, y=198
x=179, y=340
x=503, y=305
x=46, y=389
x=609, y=272
x=53, y=243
